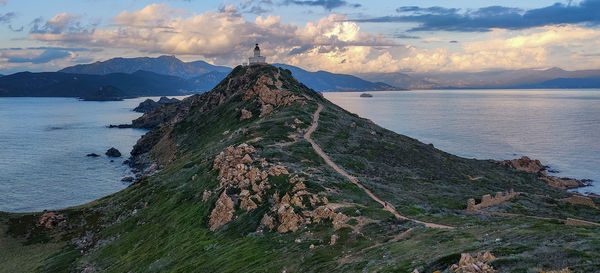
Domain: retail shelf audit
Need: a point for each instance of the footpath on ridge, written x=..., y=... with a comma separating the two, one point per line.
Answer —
x=354, y=180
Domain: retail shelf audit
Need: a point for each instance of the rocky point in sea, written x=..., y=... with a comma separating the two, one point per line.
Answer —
x=263, y=174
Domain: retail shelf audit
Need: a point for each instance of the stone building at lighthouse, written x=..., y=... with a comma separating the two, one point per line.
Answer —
x=257, y=59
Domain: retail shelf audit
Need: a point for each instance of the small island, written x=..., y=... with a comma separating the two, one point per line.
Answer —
x=366, y=95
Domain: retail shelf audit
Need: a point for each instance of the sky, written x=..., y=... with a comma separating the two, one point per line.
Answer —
x=342, y=36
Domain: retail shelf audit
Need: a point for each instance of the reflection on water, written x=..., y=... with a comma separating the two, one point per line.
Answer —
x=559, y=127
x=44, y=142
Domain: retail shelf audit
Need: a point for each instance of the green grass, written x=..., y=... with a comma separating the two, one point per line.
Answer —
x=169, y=230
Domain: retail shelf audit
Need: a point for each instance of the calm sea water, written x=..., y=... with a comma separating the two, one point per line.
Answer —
x=44, y=142
x=559, y=127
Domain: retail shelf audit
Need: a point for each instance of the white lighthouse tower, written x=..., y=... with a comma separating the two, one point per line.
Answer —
x=257, y=59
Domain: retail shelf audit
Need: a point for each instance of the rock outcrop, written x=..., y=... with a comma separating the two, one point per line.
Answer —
x=534, y=166
x=242, y=170
x=478, y=264
x=525, y=164
x=245, y=114
x=150, y=105
x=580, y=200
x=222, y=213
x=488, y=201
x=51, y=219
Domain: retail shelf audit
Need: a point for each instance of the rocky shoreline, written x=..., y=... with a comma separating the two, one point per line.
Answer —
x=534, y=166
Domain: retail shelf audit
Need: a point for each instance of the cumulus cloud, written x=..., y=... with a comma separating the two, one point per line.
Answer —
x=485, y=19
x=331, y=43
x=222, y=35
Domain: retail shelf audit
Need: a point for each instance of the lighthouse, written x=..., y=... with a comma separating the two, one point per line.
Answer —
x=257, y=59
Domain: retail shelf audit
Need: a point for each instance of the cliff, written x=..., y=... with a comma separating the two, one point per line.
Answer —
x=263, y=174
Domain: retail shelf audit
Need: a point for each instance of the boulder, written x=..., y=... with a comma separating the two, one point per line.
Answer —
x=93, y=155
x=113, y=152
x=222, y=213
x=127, y=179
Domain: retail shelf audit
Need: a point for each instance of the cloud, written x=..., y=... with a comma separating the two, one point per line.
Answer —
x=326, y=4
x=46, y=56
x=7, y=17
x=38, y=55
x=485, y=19
x=331, y=43
x=223, y=35
x=60, y=23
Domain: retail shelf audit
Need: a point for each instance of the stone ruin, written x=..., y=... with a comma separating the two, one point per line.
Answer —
x=488, y=201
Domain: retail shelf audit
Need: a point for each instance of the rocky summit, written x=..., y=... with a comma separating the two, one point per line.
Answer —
x=263, y=174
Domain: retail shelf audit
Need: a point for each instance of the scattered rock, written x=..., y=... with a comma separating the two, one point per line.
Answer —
x=127, y=179
x=245, y=114
x=93, y=155
x=222, y=213
x=113, y=152
x=225, y=132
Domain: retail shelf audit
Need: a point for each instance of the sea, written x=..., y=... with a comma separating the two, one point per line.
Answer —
x=44, y=141
x=43, y=148
x=560, y=127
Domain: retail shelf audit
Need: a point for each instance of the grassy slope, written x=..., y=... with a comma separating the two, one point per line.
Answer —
x=160, y=224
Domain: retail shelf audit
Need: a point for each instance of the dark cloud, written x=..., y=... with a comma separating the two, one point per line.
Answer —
x=405, y=36
x=16, y=29
x=48, y=55
x=326, y=4
x=7, y=17
x=484, y=19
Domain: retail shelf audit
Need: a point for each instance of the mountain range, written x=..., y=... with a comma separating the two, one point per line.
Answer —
x=263, y=174
x=161, y=76
x=522, y=78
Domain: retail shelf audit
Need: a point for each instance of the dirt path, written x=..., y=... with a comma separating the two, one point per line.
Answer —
x=353, y=179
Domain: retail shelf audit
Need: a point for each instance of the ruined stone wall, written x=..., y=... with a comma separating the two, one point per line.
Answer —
x=488, y=201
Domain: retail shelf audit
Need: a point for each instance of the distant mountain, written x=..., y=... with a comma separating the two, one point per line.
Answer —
x=58, y=84
x=401, y=80
x=166, y=65
x=327, y=81
x=590, y=82
x=486, y=79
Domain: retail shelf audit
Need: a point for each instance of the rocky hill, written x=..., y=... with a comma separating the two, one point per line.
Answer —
x=263, y=174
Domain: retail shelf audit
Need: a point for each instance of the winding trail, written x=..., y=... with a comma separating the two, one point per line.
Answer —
x=354, y=180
